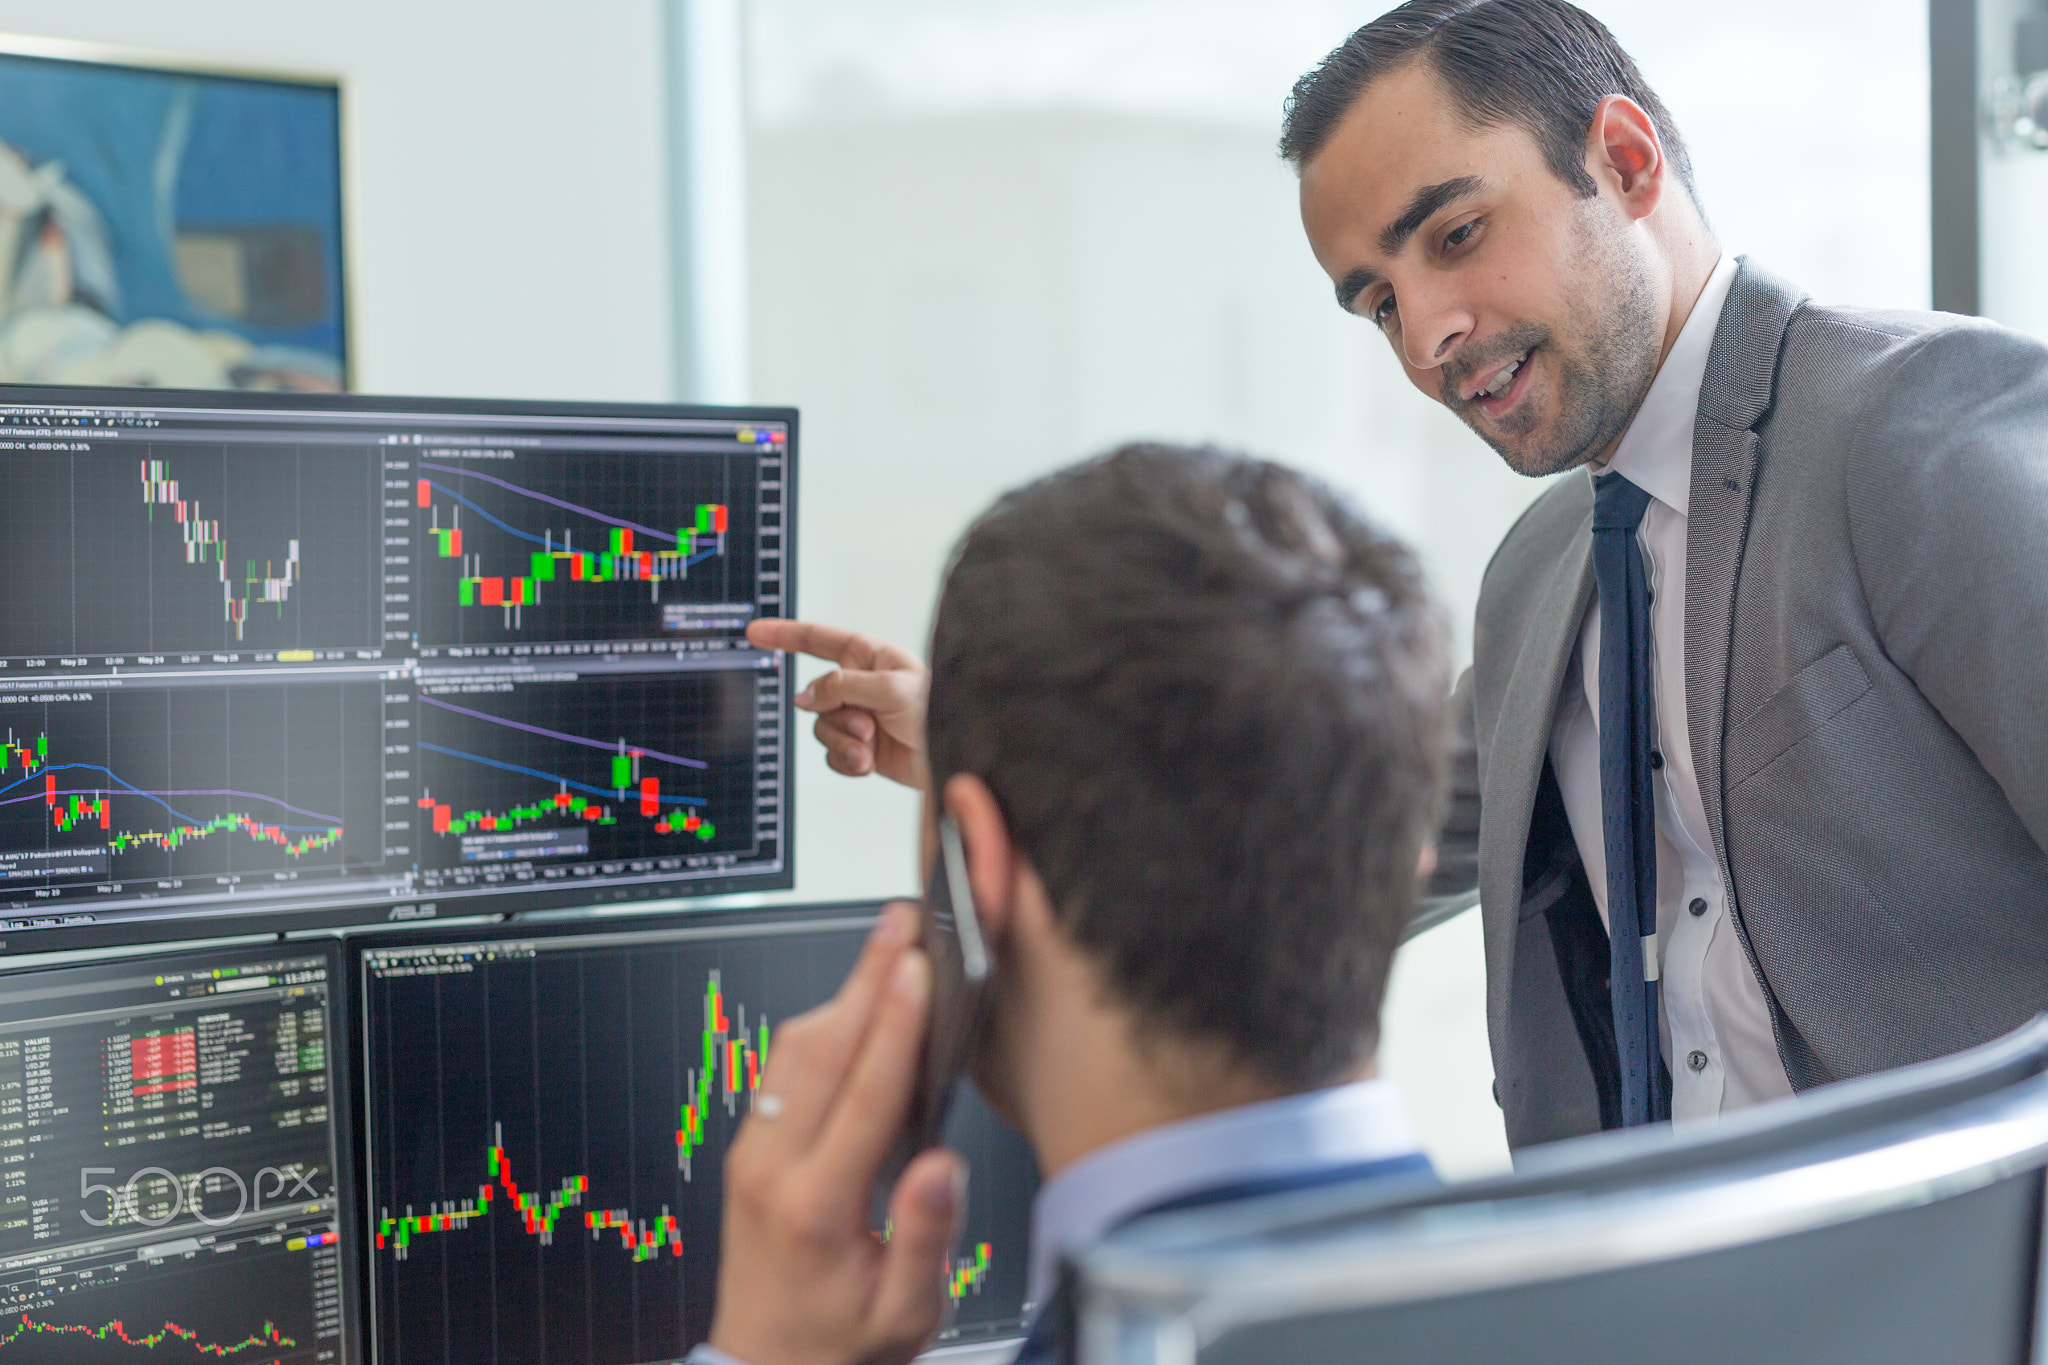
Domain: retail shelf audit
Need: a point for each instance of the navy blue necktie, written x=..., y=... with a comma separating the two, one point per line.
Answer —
x=1628, y=809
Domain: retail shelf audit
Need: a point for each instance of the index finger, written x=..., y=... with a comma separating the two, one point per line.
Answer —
x=835, y=644
x=870, y=1109
x=808, y=1062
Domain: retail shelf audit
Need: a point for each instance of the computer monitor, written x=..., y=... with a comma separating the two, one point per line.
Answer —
x=286, y=660
x=546, y=1114
x=168, y=1161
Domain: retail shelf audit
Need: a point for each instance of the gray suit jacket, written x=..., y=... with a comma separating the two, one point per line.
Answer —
x=1866, y=655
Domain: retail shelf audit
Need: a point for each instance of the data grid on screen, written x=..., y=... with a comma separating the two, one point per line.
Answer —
x=168, y=1161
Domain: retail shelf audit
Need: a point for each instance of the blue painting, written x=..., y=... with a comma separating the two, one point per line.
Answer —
x=167, y=228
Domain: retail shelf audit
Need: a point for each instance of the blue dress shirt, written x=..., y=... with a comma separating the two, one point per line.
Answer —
x=1269, y=1144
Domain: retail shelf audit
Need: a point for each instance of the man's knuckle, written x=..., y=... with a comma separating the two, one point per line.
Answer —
x=748, y=1178
x=806, y=1213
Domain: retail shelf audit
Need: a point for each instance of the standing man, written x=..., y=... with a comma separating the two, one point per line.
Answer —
x=1754, y=780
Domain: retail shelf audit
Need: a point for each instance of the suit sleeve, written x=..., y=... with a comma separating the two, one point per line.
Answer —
x=1454, y=886
x=1948, y=502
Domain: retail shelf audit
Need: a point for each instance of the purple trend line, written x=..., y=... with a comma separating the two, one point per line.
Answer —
x=608, y=747
x=542, y=497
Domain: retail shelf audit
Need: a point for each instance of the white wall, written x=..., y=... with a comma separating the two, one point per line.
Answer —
x=959, y=304
x=509, y=177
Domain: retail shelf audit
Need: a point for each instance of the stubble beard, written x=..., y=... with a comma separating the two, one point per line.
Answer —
x=1602, y=374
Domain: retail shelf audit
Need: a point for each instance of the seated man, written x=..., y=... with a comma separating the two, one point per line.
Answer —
x=1189, y=713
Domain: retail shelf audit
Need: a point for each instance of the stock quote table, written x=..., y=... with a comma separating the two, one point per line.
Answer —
x=313, y=661
x=547, y=1117
x=168, y=1162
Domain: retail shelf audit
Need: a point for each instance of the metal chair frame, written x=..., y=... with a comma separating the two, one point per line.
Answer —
x=1164, y=1289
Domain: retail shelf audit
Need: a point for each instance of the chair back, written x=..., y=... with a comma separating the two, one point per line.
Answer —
x=1896, y=1218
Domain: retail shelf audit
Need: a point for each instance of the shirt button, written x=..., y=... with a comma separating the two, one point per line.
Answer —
x=1696, y=1059
x=1698, y=907
x=1656, y=759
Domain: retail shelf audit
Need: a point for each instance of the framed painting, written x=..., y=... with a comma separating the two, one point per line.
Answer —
x=169, y=224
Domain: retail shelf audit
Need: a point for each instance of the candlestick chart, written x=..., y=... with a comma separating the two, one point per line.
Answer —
x=270, y=586
x=222, y=617
x=734, y=1058
x=120, y=786
x=266, y=1339
x=265, y=1304
x=548, y=1121
x=118, y=548
x=602, y=766
x=590, y=546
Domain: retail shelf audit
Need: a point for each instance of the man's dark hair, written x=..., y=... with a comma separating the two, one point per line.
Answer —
x=1212, y=701
x=1543, y=64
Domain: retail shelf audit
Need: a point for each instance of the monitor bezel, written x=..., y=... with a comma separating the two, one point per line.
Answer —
x=423, y=909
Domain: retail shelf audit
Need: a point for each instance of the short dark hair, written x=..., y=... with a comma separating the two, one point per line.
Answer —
x=1212, y=701
x=1543, y=64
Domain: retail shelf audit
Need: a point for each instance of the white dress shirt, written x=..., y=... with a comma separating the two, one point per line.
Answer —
x=1715, y=1024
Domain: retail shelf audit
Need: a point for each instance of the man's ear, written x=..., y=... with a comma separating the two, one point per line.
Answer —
x=992, y=859
x=1624, y=154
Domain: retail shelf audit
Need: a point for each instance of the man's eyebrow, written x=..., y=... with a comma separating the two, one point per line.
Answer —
x=1354, y=284
x=1426, y=202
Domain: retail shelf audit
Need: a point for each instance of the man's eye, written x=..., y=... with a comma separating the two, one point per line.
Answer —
x=1383, y=312
x=1458, y=236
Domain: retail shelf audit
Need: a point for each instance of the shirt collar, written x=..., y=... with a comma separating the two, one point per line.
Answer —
x=1362, y=1121
x=1655, y=453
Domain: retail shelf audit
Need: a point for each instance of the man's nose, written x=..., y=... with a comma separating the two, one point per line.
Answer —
x=1433, y=326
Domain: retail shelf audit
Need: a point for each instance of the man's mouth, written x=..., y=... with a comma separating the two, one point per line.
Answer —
x=1504, y=387
x=1504, y=377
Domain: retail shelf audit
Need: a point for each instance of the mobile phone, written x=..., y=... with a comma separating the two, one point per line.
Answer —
x=950, y=934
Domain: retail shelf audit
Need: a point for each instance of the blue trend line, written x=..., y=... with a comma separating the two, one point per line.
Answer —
x=607, y=792
x=542, y=497
x=509, y=530
x=611, y=747
x=134, y=790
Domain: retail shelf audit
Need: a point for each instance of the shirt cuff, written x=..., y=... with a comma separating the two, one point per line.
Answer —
x=708, y=1354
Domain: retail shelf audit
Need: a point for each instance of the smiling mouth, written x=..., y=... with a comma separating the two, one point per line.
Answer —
x=1502, y=391
x=1505, y=377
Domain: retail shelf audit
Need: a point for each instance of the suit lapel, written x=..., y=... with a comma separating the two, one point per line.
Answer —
x=1723, y=472
x=1514, y=758
x=1735, y=396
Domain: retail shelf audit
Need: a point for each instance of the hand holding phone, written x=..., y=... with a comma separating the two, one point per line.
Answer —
x=950, y=934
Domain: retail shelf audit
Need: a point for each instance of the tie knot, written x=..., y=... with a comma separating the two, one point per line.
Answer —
x=1618, y=505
